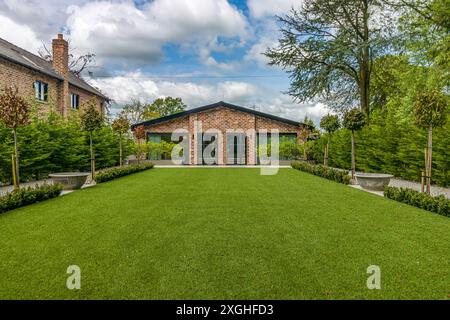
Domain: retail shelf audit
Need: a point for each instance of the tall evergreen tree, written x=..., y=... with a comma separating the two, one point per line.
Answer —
x=329, y=47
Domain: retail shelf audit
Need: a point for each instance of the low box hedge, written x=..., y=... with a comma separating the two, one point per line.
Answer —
x=26, y=196
x=324, y=172
x=113, y=173
x=439, y=205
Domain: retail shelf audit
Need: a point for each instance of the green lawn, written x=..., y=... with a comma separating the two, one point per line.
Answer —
x=226, y=234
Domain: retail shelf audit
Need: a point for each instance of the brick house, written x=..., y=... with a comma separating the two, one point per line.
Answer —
x=50, y=84
x=231, y=127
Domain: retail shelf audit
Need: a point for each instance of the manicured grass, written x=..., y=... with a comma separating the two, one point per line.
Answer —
x=223, y=233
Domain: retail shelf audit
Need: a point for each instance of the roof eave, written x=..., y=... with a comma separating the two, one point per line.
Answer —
x=55, y=76
x=212, y=106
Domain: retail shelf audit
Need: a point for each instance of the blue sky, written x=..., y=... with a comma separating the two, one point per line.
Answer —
x=200, y=50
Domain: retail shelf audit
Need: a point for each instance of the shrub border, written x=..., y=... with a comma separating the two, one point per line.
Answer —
x=25, y=196
x=118, y=172
x=439, y=204
x=321, y=171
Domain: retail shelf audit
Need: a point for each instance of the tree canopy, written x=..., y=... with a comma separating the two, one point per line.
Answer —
x=91, y=119
x=330, y=123
x=354, y=120
x=138, y=111
x=328, y=47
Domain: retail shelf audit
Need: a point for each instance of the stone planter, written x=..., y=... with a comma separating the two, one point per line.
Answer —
x=373, y=181
x=70, y=180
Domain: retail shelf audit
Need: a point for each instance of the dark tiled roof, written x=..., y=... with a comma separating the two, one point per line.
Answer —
x=15, y=54
x=213, y=106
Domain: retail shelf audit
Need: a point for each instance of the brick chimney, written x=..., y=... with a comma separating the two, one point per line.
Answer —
x=60, y=48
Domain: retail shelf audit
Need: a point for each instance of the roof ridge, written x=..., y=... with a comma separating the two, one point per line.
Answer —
x=216, y=105
x=22, y=49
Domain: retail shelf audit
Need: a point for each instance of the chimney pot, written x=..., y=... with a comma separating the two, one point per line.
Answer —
x=60, y=36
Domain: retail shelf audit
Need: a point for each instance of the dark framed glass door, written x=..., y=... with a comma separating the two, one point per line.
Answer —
x=236, y=149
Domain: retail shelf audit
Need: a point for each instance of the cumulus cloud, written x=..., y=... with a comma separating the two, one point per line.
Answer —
x=264, y=8
x=135, y=85
x=21, y=36
x=122, y=30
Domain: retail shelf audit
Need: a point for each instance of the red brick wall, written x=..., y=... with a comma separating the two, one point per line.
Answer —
x=23, y=78
x=85, y=97
x=224, y=119
x=14, y=75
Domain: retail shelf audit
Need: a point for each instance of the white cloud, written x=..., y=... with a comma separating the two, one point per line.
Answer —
x=255, y=53
x=265, y=8
x=121, y=30
x=134, y=85
x=18, y=34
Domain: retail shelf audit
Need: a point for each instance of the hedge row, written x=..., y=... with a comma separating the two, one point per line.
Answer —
x=26, y=196
x=321, y=171
x=113, y=173
x=439, y=205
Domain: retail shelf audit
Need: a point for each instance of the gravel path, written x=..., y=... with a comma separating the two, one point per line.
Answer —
x=435, y=190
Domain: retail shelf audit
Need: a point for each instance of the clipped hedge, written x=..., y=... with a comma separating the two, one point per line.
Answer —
x=113, y=173
x=321, y=171
x=26, y=196
x=439, y=205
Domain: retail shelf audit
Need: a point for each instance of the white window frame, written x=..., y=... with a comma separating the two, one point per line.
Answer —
x=41, y=90
x=75, y=101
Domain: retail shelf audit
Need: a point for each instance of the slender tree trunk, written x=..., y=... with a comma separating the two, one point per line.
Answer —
x=353, y=155
x=365, y=64
x=430, y=158
x=16, y=159
x=92, y=157
x=120, y=150
x=327, y=152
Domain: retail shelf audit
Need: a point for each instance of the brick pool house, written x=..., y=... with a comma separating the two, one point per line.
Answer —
x=49, y=84
x=237, y=128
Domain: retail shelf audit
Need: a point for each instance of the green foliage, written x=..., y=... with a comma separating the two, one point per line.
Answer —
x=91, y=119
x=439, y=205
x=390, y=144
x=354, y=120
x=51, y=144
x=138, y=111
x=113, y=173
x=160, y=150
x=120, y=126
x=290, y=150
x=26, y=196
x=340, y=176
x=330, y=123
x=163, y=107
x=430, y=109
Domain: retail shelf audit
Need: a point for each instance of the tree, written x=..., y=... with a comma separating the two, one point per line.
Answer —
x=121, y=127
x=77, y=62
x=328, y=47
x=133, y=111
x=14, y=113
x=163, y=107
x=354, y=120
x=137, y=111
x=430, y=111
x=140, y=148
x=91, y=120
x=330, y=124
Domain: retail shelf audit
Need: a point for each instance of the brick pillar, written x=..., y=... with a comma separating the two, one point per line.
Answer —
x=60, y=49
